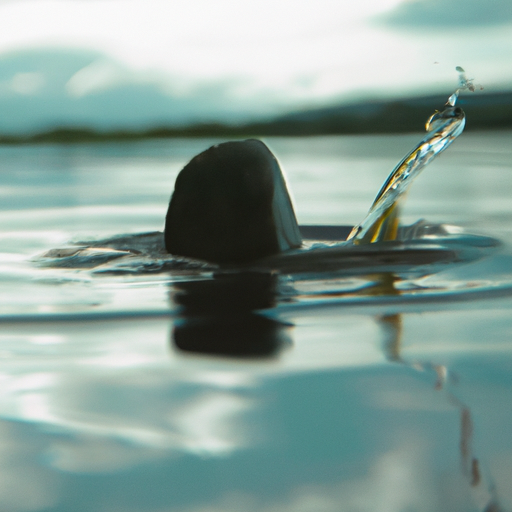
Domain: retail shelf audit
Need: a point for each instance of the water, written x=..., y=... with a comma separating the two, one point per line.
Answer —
x=368, y=392
x=383, y=219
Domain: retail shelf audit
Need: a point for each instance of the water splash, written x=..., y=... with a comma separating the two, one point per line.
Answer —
x=465, y=83
x=382, y=220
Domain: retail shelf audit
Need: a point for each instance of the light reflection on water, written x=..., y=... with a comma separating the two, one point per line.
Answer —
x=328, y=420
x=368, y=407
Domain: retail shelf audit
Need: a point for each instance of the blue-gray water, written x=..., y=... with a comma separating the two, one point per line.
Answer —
x=364, y=405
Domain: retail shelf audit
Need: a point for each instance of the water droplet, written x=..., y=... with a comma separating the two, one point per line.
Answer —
x=453, y=98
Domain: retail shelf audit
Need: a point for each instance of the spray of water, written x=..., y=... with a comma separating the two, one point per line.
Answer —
x=465, y=83
x=382, y=220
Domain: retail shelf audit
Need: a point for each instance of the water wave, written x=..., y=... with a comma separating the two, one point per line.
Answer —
x=131, y=276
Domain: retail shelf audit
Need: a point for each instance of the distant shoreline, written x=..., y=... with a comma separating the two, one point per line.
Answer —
x=491, y=111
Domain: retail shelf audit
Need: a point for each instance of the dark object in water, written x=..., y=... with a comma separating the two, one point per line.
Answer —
x=231, y=205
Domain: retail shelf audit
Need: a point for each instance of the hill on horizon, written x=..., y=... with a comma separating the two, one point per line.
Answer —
x=483, y=111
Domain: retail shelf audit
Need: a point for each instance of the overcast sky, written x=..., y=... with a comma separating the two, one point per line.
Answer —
x=288, y=52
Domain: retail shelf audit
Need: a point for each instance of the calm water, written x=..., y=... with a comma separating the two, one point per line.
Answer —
x=355, y=401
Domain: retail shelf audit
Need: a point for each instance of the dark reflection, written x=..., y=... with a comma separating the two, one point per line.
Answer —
x=221, y=316
x=392, y=327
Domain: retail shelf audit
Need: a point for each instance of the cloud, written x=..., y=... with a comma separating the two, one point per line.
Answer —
x=445, y=14
x=101, y=74
x=44, y=88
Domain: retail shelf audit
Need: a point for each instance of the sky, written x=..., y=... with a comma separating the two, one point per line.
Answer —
x=226, y=58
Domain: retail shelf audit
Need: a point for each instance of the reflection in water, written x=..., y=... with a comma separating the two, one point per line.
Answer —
x=470, y=465
x=220, y=315
x=187, y=433
x=385, y=283
x=392, y=326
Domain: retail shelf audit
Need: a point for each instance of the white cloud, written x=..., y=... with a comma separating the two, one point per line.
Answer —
x=97, y=76
x=269, y=44
x=269, y=55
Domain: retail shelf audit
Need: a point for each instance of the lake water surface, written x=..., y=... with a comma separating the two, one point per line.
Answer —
x=352, y=400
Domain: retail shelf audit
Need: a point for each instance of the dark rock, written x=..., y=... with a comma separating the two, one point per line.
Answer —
x=231, y=205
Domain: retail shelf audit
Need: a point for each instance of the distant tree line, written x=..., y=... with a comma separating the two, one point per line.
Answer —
x=483, y=111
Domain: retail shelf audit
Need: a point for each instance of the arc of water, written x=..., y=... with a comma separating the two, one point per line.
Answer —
x=381, y=222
